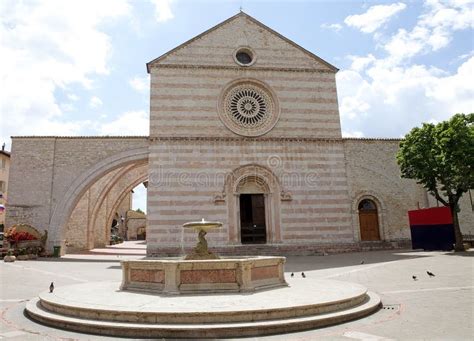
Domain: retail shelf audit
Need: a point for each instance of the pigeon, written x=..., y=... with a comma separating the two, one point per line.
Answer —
x=51, y=287
x=303, y=275
x=362, y=262
x=414, y=277
x=292, y=274
x=430, y=274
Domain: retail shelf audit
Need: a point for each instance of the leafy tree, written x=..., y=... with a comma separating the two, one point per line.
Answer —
x=139, y=210
x=441, y=158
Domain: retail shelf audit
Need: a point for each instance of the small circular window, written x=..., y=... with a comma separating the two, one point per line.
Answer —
x=244, y=56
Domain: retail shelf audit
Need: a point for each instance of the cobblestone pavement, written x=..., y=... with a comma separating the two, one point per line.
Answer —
x=430, y=308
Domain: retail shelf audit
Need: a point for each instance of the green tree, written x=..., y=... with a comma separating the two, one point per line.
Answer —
x=441, y=158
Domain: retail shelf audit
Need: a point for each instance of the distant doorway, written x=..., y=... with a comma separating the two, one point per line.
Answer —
x=368, y=221
x=252, y=219
x=141, y=233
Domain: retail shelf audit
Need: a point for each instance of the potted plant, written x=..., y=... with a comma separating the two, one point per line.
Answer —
x=9, y=257
x=22, y=254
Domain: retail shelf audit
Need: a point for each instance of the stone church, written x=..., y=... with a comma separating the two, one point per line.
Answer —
x=244, y=129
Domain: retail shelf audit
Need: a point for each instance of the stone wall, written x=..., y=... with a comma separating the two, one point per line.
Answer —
x=217, y=46
x=372, y=172
x=4, y=173
x=186, y=84
x=188, y=182
x=50, y=174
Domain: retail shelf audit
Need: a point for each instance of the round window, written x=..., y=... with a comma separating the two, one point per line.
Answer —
x=244, y=56
x=248, y=108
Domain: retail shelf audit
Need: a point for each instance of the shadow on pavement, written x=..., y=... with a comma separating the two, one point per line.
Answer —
x=469, y=253
x=307, y=263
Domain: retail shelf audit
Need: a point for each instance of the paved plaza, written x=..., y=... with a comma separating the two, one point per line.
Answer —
x=429, y=308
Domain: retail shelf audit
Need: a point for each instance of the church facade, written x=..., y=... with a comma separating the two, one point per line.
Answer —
x=244, y=129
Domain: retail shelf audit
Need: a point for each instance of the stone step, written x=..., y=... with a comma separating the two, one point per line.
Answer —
x=200, y=317
x=204, y=330
x=303, y=297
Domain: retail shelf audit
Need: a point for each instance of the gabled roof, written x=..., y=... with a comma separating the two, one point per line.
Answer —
x=242, y=14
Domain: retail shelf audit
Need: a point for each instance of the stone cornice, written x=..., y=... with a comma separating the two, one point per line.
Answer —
x=266, y=139
x=237, y=68
x=80, y=137
x=215, y=138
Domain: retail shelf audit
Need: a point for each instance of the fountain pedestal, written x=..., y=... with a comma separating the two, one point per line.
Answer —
x=203, y=276
x=201, y=250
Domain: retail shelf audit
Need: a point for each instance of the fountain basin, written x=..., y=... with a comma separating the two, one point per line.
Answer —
x=178, y=276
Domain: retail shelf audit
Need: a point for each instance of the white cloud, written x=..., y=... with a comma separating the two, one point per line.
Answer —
x=163, y=10
x=433, y=31
x=95, y=102
x=140, y=84
x=361, y=63
x=352, y=134
x=375, y=17
x=393, y=99
x=46, y=46
x=334, y=27
x=129, y=123
x=73, y=97
x=388, y=96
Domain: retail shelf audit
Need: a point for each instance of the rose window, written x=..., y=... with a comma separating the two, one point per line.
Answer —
x=248, y=109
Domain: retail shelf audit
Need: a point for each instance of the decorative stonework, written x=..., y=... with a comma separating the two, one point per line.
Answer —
x=208, y=276
x=286, y=196
x=176, y=276
x=236, y=67
x=219, y=197
x=147, y=276
x=248, y=108
x=264, y=272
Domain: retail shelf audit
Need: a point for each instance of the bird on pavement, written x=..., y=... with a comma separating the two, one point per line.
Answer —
x=362, y=262
x=303, y=275
x=430, y=274
x=414, y=277
x=51, y=287
x=292, y=274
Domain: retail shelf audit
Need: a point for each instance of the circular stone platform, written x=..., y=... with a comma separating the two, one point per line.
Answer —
x=101, y=308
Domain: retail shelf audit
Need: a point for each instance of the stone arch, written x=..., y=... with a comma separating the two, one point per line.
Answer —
x=381, y=212
x=65, y=205
x=135, y=179
x=122, y=195
x=269, y=185
x=103, y=196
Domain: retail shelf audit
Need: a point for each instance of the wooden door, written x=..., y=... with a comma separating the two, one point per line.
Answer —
x=252, y=219
x=369, y=226
x=368, y=221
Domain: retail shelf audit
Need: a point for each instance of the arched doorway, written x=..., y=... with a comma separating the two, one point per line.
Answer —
x=368, y=220
x=252, y=202
x=253, y=183
x=141, y=233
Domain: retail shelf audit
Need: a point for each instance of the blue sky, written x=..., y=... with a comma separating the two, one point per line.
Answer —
x=78, y=67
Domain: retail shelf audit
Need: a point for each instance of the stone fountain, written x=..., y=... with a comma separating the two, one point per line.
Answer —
x=201, y=250
x=223, y=298
x=202, y=271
